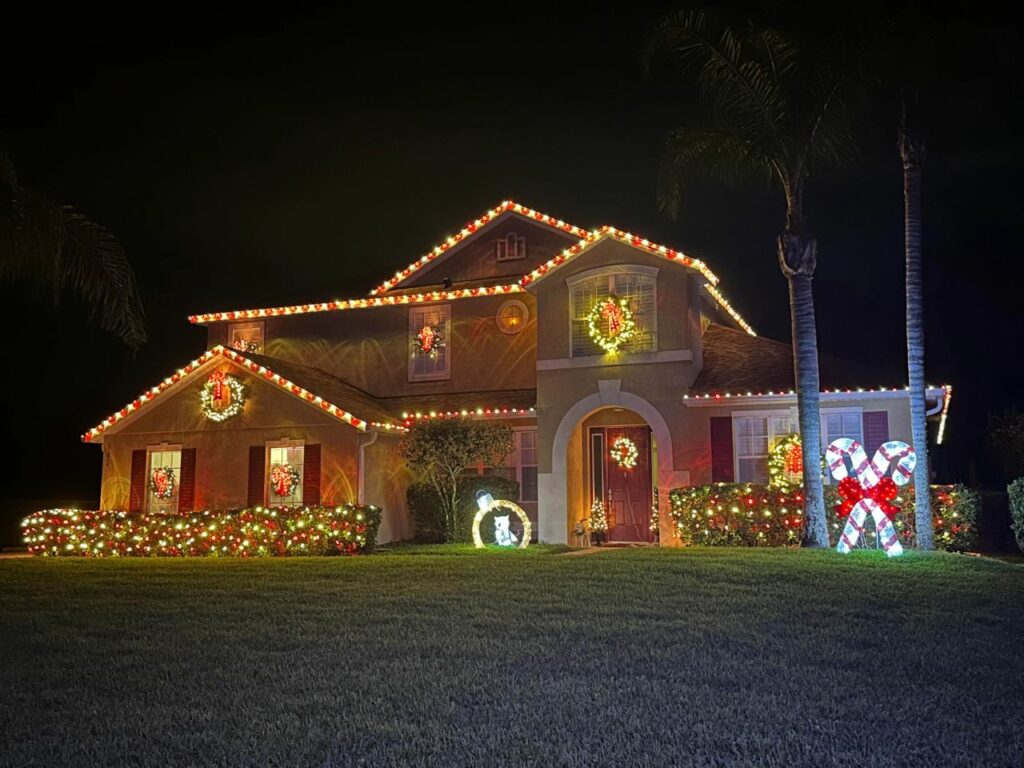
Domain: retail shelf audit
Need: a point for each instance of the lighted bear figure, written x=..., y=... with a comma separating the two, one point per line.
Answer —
x=503, y=537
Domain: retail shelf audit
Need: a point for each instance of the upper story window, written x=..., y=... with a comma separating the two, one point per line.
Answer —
x=430, y=343
x=635, y=283
x=285, y=460
x=512, y=316
x=511, y=247
x=163, y=475
x=246, y=337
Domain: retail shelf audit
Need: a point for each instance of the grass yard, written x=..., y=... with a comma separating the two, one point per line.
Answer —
x=430, y=657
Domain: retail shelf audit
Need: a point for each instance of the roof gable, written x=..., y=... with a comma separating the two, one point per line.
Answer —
x=485, y=222
x=257, y=366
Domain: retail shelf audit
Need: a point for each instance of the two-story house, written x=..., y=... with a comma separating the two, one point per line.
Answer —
x=619, y=364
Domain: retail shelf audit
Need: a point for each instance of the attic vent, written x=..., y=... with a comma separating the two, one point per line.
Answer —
x=511, y=247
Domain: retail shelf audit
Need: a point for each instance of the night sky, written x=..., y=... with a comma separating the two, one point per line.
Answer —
x=258, y=160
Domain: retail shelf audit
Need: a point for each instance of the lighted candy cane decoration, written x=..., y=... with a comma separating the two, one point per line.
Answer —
x=871, y=478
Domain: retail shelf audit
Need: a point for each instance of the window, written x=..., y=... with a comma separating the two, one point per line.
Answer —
x=430, y=363
x=284, y=473
x=511, y=247
x=246, y=337
x=526, y=448
x=512, y=316
x=521, y=464
x=634, y=283
x=753, y=438
x=163, y=478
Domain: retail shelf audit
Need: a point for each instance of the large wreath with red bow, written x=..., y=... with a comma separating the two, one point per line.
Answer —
x=429, y=341
x=162, y=482
x=284, y=479
x=221, y=397
x=611, y=324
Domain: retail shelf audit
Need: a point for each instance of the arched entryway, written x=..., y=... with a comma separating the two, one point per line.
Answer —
x=569, y=489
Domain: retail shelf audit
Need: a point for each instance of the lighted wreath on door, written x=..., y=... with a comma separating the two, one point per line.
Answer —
x=624, y=452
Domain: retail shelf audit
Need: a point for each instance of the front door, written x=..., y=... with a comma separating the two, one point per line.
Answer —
x=627, y=486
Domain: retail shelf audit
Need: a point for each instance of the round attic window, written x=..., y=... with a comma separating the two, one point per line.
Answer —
x=512, y=316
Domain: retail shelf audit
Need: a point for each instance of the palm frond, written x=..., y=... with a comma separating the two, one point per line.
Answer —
x=709, y=153
x=93, y=265
x=742, y=77
x=837, y=99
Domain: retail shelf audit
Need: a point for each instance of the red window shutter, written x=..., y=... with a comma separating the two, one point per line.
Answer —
x=137, y=490
x=187, y=481
x=257, y=470
x=311, y=475
x=721, y=450
x=876, y=430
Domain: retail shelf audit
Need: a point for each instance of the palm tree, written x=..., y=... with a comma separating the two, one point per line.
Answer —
x=911, y=147
x=57, y=247
x=780, y=112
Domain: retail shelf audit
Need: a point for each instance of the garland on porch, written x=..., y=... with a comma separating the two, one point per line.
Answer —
x=611, y=324
x=624, y=452
x=162, y=482
x=221, y=397
x=284, y=479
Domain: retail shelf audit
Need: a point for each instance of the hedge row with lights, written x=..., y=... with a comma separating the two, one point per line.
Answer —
x=349, y=529
x=752, y=515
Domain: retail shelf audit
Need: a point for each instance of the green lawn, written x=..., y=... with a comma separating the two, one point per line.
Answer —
x=419, y=657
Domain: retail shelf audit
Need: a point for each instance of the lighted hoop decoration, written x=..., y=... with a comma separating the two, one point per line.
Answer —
x=610, y=323
x=868, y=489
x=162, y=482
x=284, y=479
x=428, y=341
x=488, y=504
x=624, y=452
x=221, y=397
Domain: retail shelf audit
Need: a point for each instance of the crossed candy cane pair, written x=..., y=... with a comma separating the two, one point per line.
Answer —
x=872, y=494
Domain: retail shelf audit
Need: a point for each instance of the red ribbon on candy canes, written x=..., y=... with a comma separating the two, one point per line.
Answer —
x=869, y=489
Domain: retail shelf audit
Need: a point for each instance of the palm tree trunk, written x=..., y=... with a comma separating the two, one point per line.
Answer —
x=797, y=257
x=912, y=152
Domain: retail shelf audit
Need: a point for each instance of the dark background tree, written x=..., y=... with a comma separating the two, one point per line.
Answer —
x=295, y=154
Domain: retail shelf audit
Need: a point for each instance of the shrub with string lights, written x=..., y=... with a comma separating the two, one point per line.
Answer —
x=348, y=529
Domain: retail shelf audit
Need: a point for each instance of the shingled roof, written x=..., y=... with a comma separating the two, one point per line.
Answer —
x=735, y=362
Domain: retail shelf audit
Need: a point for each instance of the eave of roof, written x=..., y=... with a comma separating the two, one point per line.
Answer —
x=246, y=363
x=588, y=240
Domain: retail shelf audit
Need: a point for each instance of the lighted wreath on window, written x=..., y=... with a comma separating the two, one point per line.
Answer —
x=786, y=464
x=624, y=452
x=284, y=479
x=248, y=346
x=221, y=397
x=611, y=324
x=162, y=482
x=429, y=341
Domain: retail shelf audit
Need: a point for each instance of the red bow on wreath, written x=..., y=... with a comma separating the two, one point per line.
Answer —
x=218, y=378
x=851, y=492
x=612, y=312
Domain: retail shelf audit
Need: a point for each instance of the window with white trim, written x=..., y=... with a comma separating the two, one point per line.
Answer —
x=637, y=286
x=521, y=464
x=754, y=435
x=284, y=473
x=836, y=424
x=511, y=247
x=432, y=321
x=246, y=337
x=163, y=478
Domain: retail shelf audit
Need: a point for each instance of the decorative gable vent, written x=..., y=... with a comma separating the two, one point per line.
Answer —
x=511, y=247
